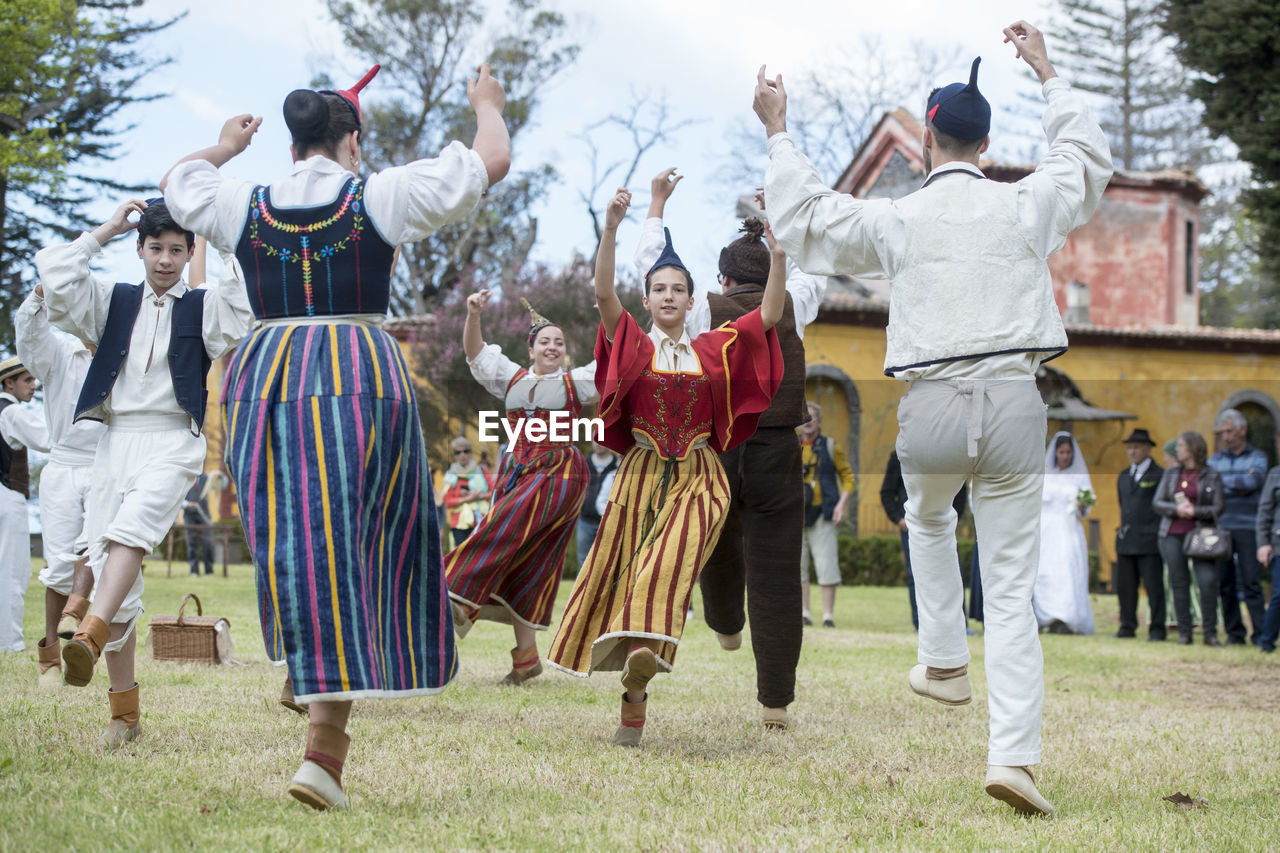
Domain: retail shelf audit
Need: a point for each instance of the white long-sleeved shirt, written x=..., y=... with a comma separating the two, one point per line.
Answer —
x=78, y=302
x=60, y=363
x=966, y=256
x=22, y=427
x=405, y=203
x=806, y=290
x=494, y=372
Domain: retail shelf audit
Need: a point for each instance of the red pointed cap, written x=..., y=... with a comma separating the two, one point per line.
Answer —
x=352, y=95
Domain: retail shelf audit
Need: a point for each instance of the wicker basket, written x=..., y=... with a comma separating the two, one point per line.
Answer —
x=192, y=639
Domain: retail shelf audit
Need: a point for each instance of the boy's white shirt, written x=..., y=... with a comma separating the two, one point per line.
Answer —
x=78, y=301
x=60, y=363
x=22, y=426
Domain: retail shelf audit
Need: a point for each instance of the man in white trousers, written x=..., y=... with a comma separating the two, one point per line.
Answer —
x=20, y=428
x=971, y=317
x=60, y=362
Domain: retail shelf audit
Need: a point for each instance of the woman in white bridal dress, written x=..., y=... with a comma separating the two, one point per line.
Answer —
x=1061, y=599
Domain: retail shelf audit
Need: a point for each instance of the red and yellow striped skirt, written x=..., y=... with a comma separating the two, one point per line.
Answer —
x=660, y=526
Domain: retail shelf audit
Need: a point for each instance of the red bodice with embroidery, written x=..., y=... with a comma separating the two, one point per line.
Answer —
x=741, y=371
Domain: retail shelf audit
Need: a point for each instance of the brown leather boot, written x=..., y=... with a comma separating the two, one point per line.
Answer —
x=50, y=661
x=126, y=721
x=72, y=614
x=82, y=652
x=632, y=726
x=318, y=782
x=525, y=664
x=287, y=699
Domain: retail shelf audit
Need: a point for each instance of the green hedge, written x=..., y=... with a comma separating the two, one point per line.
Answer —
x=868, y=561
x=877, y=561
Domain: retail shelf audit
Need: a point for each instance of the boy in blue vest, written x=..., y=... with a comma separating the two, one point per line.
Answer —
x=156, y=341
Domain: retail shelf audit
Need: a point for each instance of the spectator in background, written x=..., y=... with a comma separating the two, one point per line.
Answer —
x=1167, y=461
x=828, y=482
x=1243, y=468
x=196, y=520
x=1268, y=532
x=1189, y=492
x=602, y=465
x=466, y=491
x=1137, y=539
x=893, y=497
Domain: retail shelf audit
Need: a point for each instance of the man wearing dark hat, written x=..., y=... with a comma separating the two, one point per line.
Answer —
x=20, y=428
x=1137, y=548
x=971, y=317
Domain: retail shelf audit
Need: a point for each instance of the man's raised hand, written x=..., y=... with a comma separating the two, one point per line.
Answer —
x=770, y=103
x=664, y=184
x=1028, y=42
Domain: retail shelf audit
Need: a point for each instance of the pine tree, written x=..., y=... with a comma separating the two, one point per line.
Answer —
x=1235, y=47
x=67, y=69
x=1116, y=51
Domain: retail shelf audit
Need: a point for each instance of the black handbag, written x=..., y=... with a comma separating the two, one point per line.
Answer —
x=1207, y=542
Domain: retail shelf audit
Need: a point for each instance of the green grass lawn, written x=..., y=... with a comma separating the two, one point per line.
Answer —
x=866, y=764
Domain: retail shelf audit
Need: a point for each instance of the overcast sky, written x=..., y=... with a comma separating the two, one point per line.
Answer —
x=245, y=55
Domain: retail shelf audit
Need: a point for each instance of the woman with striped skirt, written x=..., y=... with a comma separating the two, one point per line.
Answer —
x=323, y=436
x=671, y=405
x=508, y=570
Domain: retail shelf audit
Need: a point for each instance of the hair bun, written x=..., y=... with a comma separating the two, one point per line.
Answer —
x=306, y=113
x=753, y=227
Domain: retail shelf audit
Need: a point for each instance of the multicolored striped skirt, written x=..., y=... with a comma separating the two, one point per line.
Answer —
x=658, y=530
x=325, y=445
x=509, y=568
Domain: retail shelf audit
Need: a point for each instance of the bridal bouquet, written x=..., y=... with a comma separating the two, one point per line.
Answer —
x=1085, y=498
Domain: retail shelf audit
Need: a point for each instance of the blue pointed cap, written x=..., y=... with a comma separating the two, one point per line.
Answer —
x=960, y=110
x=669, y=258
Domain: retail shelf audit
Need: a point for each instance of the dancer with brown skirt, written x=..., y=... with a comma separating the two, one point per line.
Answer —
x=670, y=404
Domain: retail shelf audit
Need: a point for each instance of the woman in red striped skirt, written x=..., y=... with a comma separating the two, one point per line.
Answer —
x=508, y=570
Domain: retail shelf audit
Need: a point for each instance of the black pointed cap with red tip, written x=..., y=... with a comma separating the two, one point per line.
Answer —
x=960, y=110
x=352, y=95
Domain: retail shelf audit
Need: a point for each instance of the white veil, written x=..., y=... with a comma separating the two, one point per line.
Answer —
x=1077, y=466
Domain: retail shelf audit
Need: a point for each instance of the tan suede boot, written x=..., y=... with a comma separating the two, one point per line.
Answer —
x=82, y=652
x=641, y=666
x=775, y=719
x=287, y=699
x=72, y=614
x=50, y=661
x=318, y=782
x=525, y=664
x=632, y=726
x=126, y=721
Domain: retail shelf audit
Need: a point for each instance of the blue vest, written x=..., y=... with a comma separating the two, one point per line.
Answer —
x=189, y=363
x=319, y=260
x=827, y=480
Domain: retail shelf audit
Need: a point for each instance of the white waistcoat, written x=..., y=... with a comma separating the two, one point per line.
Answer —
x=969, y=285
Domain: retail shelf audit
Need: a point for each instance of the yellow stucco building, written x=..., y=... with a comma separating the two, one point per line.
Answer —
x=1171, y=380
